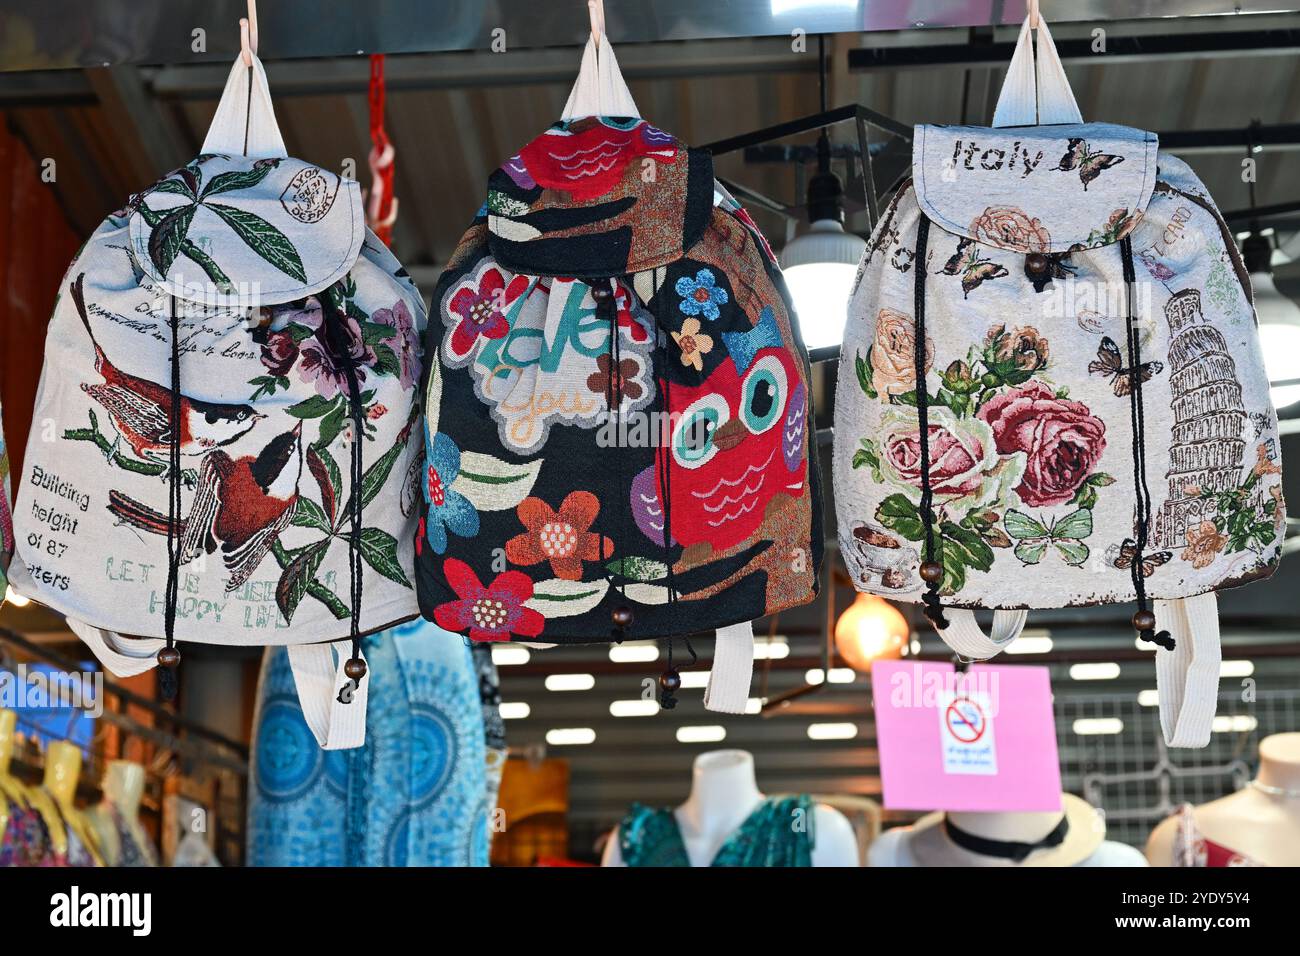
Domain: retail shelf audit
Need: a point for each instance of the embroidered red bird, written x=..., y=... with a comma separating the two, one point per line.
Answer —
x=240, y=506
x=141, y=410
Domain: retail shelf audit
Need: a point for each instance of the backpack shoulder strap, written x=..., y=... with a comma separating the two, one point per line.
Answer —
x=337, y=721
x=1187, y=678
x=965, y=636
x=732, y=671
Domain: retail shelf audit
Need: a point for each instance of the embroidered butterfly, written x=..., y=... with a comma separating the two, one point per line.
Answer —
x=1089, y=164
x=973, y=270
x=1110, y=362
x=1033, y=538
x=1128, y=551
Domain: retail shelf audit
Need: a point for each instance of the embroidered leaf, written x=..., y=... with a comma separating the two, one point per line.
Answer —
x=239, y=179
x=491, y=484
x=317, y=406
x=166, y=239
x=205, y=262
x=175, y=187
x=326, y=473
x=643, y=593
x=374, y=478
x=432, y=400
x=372, y=333
x=954, y=567
x=297, y=577
x=331, y=425
x=327, y=597
x=898, y=513
x=638, y=569
x=867, y=457
x=560, y=598
x=862, y=366
x=308, y=514
x=379, y=550
x=263, y=238
x=1085, y=497
x=386, y=361
x=969, y=546
x=1101, y=480
x=1020, y=526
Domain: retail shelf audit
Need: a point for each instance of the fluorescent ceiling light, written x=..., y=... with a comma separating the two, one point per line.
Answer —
x=1234, y=724
x=844, y=731
x=567, y=682
x=1236, y=668
x=777, y=649
x=1089, y=726
x=703, y=734
x=635, y=653
x=570, y=736
x=515, y=710
x=1105, y=671
x=1025, y=644
x=1149, y=698
x=634, y=708
x=508, y=655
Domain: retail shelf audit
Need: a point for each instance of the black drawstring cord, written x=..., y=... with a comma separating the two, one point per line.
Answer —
x=1144, y=620
x=603, y=293
x=670, y=681
x=931, y=570
x=355, y=668
x=169, y=657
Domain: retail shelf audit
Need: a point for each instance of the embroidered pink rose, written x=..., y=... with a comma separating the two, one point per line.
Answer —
x=963, y=458
x=1061, y=439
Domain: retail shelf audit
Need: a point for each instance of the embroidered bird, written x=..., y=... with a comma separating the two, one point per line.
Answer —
x=241, y=505
x=738, y=441
x=141, y=410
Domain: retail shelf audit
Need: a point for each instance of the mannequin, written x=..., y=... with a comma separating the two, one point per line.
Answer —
x=117, y=818
x=1259, y=824
x=724, y=793
x=1073, y=836
x=72, y=839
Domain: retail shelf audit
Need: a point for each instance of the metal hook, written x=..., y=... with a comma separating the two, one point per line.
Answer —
x=248, y=34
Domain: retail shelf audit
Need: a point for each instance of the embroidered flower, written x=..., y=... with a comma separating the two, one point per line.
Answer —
x=478, y=308
x=320, y=365
x=279, y=353
x=406, y=343
x=893, y=353
x=561, y=537
x=701, y=295
x=1022, y=348
x=1204, y=542
x=620, y=384
x=449, y=510
x=492, y=613
x=693, y=343
x=1264, y=465
x=1011, y=228
x=377, y=411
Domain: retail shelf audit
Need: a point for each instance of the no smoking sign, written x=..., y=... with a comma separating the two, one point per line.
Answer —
x=966, y=734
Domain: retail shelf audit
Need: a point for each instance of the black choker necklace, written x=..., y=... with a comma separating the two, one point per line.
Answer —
x=1004, y=849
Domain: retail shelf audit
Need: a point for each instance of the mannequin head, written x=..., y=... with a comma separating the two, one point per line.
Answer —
x=62, y=770
x=124, y=785
x=1279, y=761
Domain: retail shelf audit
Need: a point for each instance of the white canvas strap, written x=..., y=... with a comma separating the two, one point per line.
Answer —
x=244, y=124
x=733, y=668
x=338, y=724
x=1187, y=677
x=1036, y=92
x=965, y=636
x=600, y=89
x=120, y=656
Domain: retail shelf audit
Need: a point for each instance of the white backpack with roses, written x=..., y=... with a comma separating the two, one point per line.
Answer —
x=231, y=376
x=1051, y=390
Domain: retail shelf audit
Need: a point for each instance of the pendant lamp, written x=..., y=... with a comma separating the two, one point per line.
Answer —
x=819, y=265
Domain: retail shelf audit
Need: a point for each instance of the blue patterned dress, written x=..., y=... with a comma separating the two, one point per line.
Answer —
x=416, y=794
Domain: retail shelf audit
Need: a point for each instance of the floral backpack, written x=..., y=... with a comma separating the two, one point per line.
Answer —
x=230, y=394
x=1094, y=425
x=609, y=279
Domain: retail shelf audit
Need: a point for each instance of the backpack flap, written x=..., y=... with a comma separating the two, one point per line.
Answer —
x=1046, y=189
x=597, y=197
x=243, y=224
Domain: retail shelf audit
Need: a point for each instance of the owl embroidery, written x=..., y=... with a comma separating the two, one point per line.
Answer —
x=737, y=442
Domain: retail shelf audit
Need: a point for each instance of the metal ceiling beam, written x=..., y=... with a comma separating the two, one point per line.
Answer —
x=81, y=33
x=1118, y=49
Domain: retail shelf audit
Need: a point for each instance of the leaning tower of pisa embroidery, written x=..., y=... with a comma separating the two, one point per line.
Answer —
x=1209, y=417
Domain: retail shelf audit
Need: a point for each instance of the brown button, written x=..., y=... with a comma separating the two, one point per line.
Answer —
x=601, y=293
x=1036, y=262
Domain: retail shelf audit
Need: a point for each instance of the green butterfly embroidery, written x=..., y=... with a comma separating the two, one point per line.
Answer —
x=1032, y=537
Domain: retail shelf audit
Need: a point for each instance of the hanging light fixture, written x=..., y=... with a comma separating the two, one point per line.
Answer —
x=819, y=265
x=871, y=629
x=1279, y=321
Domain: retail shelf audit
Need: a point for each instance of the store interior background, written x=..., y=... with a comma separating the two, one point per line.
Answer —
x=453, y=116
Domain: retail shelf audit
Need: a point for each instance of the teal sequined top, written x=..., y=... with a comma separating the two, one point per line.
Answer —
x=778, y=833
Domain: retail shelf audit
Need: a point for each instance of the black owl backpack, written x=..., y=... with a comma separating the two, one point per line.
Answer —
x=231, y=373
x=609, y=280
x=1052, y=392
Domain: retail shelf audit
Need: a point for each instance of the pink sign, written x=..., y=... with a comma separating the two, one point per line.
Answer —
x=984, y=741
